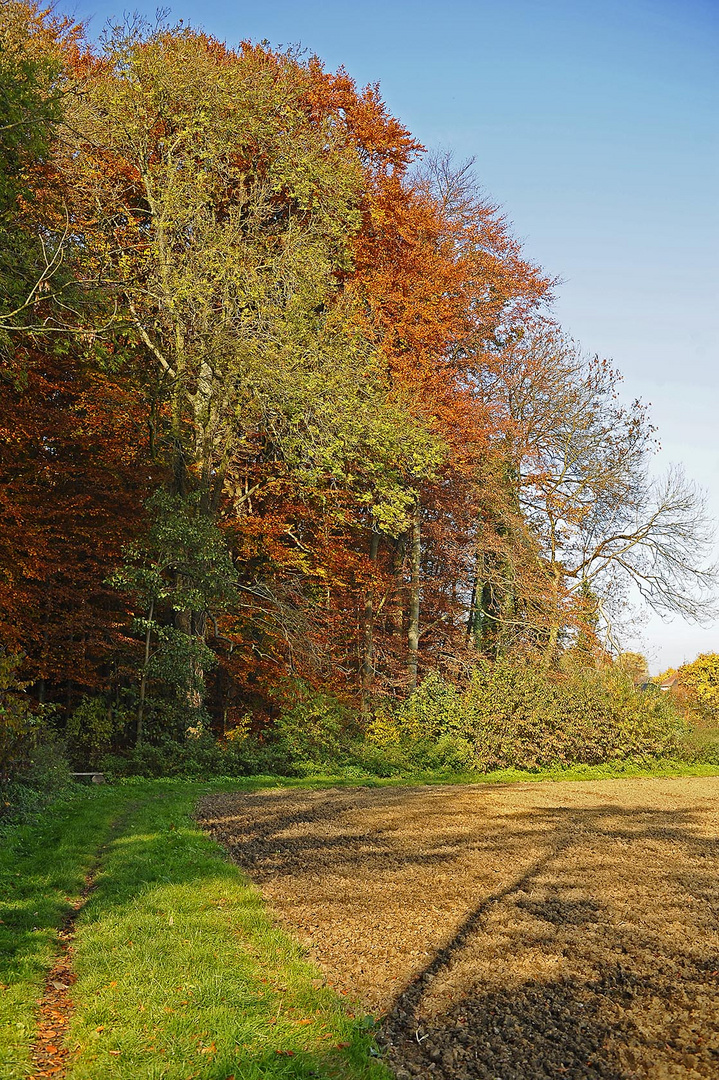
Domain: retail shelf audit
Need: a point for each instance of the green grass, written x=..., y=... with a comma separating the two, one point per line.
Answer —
x=353, y=776
x=42, y=866
x=181, y=972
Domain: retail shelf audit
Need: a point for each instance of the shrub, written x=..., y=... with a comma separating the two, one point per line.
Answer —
x=519, y=715
x=90, y=730
x=314, y=727
x=33, y=766
x=198, y=758
x=701, y=679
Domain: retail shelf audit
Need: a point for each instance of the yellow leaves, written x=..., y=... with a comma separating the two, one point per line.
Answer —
x=383, y=731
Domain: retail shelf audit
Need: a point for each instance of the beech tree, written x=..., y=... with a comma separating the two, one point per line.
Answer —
x=217, y=194
x=580, y=466
x=217, y=197
x=291, y=385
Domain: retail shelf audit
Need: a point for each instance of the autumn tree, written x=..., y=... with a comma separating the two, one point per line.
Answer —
x=72, y=471
x=217, y=193
x=579, y=464
x=32, y=92
x=440, y=273
x=701, y=679
x=291, y=386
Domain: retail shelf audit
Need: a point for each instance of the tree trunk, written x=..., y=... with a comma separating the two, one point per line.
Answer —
x=194, y=625
x=397, y=615
x=474, y=616
x=414, y=590
x=143, y=679
x=367, y=670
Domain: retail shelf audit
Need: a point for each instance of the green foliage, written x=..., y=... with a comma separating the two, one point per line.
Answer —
x=313, y=727
x=45, y=777
x=702, y=677
x=183, y=562
x=29, y=113
x=511, y=715
x=314, y=733
x=19, y=723
x=520, y=716
x=181, y=575
x=33, y=767
x=180, y=661
x=198, y=757
x=237, y=288
x=90, y=728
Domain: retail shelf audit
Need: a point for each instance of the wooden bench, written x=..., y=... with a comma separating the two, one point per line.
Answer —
x=90, y=777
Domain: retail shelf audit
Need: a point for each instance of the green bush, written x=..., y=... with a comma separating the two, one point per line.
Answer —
x=90, y=730
x=198, y=758
x=510, y=715
x=45, y=777
x=519, y=715
x=20, y=725
x=33, y=765
x=314, y=728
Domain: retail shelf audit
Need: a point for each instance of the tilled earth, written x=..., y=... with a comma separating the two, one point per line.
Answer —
x=508, y=933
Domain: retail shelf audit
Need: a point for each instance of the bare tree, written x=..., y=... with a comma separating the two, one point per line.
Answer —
x=580, y=462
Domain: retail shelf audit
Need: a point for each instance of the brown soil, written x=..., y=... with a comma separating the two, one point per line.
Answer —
x=519, y=932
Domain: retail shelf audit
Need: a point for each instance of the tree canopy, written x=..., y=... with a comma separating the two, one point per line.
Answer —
x=283, y=399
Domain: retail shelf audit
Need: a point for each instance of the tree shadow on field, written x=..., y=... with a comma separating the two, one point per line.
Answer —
x=596, y=956
x=641, y=1003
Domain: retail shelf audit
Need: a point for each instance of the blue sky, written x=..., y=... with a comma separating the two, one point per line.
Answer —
x=594, y=125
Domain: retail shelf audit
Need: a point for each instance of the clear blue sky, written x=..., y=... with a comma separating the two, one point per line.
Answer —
x=594, y=123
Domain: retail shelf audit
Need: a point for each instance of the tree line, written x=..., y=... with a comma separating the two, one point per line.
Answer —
x=282, y=399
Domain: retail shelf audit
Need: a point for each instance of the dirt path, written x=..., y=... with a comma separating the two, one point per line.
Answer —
x=49, y=1050
x=512, y=933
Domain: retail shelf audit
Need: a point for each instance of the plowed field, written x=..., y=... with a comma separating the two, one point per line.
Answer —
x=516, y=932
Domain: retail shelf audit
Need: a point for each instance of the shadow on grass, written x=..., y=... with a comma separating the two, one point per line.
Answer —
x=42, y=868
x=182, y=972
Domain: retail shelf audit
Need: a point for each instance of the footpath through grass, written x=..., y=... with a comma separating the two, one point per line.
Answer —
x=181, y=972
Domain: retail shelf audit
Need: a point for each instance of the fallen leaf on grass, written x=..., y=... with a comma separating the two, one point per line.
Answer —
x=286, y=1053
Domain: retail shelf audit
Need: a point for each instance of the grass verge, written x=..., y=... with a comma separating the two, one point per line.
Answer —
x=181, y=973
x=42, y=870
x=351, y=775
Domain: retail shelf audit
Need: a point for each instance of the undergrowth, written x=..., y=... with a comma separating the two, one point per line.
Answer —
x=510, y=715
